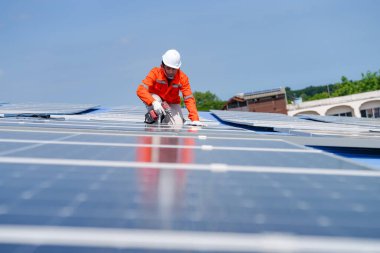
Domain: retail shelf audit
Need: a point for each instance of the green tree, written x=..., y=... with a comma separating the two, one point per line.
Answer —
x=320, y=96
x=290, y=95
x=346, y=87
x=207, y=101
x=370, y=81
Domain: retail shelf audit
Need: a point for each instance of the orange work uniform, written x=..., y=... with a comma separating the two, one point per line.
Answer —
x=157, y=83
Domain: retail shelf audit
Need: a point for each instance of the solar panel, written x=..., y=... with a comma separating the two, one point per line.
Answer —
x=93, y=183
x=262, y=92
x=297, y=126
x=373, y=122
x=29, y=109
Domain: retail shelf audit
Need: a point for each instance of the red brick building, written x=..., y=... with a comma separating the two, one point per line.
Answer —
x=260, y=101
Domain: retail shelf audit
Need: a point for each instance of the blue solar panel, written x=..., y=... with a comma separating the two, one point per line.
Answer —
x=111, y=186
x=200, y=200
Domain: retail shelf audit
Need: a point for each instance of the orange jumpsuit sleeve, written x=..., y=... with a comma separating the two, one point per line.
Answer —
x=189, y=99
x=143, y=89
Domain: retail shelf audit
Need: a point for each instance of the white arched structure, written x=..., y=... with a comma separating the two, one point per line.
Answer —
x=307, y=112
x=340, y=110
x=370, y=109
x=359, y=105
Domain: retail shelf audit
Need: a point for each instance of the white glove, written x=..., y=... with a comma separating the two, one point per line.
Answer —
x=158, y=107
x=196, y=123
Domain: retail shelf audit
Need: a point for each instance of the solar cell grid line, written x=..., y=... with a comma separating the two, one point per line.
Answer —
x=142, y=129
x=137, y=141
x=201, y=154
x=67, y=123
x=73, y=124
x=97, y=128
x=177, y=145
x=351, y=170
x=77, y=121
x=362, y=142
x=140, y=241
x=238, y=134
x=125, y=130
x=42, y=133
x=226, y=137
x=32, y=146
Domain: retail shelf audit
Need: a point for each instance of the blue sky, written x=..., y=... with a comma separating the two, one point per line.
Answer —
x=98, y=51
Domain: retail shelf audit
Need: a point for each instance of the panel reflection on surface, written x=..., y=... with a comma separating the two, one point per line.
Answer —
x=164, y=150
x=189, y=200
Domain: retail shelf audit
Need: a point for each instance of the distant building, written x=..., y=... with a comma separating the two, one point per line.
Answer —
x=362, y=105
x=260, y=101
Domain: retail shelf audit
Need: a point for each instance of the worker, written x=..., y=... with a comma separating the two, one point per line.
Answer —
x=163, y=84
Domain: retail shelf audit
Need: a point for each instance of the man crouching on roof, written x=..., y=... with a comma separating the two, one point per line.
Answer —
x=160, y=92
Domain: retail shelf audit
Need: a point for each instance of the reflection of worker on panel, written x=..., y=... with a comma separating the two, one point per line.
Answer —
x=163, y=187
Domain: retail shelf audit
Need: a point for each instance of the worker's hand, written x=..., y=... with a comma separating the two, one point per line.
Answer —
x=196, y=123
x=158, y=107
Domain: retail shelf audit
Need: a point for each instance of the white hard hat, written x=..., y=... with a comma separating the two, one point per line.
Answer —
x=172, y=59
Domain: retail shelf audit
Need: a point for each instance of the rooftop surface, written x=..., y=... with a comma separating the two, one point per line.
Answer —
x=82, y=178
